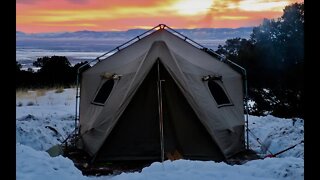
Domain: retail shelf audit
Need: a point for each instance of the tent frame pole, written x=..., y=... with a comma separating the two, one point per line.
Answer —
x=245, y=99
x=159, y=81
x=76, y=117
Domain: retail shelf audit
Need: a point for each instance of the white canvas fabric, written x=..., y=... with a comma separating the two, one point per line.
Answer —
x=187, y=65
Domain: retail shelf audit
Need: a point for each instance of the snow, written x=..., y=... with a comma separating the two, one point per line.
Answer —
x=33, y=165
x=50, y=109
x=277, y=134
x=36, y=110
x=287, y=168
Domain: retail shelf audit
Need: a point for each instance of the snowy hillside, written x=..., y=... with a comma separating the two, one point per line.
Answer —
x=37, y=111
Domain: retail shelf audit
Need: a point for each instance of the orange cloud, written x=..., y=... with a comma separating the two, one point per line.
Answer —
x=73, y=15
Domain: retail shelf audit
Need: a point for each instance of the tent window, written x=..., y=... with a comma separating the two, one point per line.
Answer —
x=104, y=92
x=218, y=93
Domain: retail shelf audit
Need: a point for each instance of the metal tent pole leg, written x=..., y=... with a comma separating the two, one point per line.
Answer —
x=247, y=107
x=159, y=81
x=76, y=118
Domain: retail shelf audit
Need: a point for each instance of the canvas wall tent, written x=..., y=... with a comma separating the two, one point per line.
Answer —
x=161, y=97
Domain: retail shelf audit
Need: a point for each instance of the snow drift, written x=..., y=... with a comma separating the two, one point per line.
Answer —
x=51, y=109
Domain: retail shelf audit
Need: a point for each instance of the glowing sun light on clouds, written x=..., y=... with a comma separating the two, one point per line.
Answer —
x=192, y=7
x=100, y=15
x=259, y=5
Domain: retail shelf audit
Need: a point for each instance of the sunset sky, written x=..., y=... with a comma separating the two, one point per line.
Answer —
x=33, y=16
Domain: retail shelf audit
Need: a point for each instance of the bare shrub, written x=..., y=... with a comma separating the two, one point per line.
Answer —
x=30, y=103
x=59, y=90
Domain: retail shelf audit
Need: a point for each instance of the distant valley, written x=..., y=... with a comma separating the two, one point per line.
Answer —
x=85, y=45
x=106, y=40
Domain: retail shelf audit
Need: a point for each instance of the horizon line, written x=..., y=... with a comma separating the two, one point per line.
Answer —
x=131, y=29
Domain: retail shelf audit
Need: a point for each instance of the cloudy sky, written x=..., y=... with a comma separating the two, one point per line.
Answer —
x=102, y=15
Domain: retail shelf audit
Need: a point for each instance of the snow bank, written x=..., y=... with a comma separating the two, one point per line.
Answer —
x=271, y=168
x=277, y=134
x=38, y=165
x=34, y=165
x=56, y=110
x=38, y=133
x=50, y=110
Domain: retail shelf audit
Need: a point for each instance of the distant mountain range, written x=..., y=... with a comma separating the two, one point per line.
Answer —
x=106, y=40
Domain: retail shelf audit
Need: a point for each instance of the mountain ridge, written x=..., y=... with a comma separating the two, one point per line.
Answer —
x=106, y=40
x=129, y=31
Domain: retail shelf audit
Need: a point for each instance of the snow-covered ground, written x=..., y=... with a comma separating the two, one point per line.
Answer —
x=37, y=111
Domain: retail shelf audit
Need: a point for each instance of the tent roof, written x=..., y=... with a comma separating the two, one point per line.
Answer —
x=160, y=27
